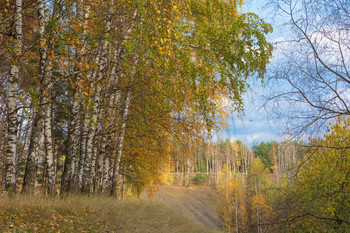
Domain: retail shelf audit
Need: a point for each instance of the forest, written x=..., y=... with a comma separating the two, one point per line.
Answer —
x=114, y=98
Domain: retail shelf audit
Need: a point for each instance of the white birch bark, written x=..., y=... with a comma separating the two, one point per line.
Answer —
x=207, y=162
x=99, y=169
x=67, y=182
x=32, y=155
x=236, y=209
x=87, y=179
x=87, y=175
x=106, y=179
x=187, y=180
x=102, y=61
x=115, y=99
x=11, y=153
x=83, y=143
x=49, y=159
x=70, y=173
x=49, y=156
x=45, y=75
x=3, y=119
x=4, y=172
x=123, y=186
x=257, y=207
x=120, y=145
x=95, y=154
x=37, y=125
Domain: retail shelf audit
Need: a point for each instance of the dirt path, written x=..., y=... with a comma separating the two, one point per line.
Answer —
x=197, y=202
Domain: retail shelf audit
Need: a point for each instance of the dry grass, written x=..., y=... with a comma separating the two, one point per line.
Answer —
x=196, y=202
x=90, y=214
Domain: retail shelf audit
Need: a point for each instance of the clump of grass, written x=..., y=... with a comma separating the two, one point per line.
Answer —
x=90, y=214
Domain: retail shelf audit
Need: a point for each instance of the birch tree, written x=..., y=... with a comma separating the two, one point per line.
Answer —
x=11, y=155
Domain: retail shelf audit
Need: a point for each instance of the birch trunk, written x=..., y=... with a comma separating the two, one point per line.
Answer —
x=120, y=145
x=95, y=155
x=11, y=153
x=123, y=186
x=83, y=142
x=102, y=60
x=73, y=142
x=207, y=162
x=1, y=134
x=236, y=210
x=106, y=173
x=99, y=168
x=45, y=73
x=69, y=176
x=4, y=170
x=87, y=181
x=187, y=181
x=182, y=175
x=32, y=156
x=257, y=207
x=49, y=157
x=22, y=140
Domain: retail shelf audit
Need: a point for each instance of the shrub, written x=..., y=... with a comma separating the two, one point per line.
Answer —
x=199, y=179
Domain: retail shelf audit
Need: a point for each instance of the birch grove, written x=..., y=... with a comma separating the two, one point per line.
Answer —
x=114, y=97
x=98, y=94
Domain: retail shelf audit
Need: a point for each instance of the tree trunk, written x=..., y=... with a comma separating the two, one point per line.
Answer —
x=83, y=143
x=257, y=207
x=187, y=180
x=106, y=174
x=86, y=181
x=33, y=155
x=99, y=168
x=93, y=164
x=49, y=158
x=45, y=73
x=11, y=154
x=236, y=209
x=67, y=182
x=123, y=186
x=2, y=134
x=120, y=145
x=70, y=173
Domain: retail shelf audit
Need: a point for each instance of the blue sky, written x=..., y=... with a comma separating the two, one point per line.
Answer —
x=256, y=124
x=290, y=111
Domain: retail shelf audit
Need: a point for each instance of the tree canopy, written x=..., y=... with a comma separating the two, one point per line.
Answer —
x=104, y=89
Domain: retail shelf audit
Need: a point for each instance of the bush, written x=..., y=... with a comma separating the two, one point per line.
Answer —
x=199, y=179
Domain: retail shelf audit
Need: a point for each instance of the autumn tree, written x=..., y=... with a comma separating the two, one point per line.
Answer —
x=320, y=200
x=15, y=53
x=232, y=207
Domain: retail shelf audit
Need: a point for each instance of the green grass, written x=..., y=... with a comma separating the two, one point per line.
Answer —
x=90, y=214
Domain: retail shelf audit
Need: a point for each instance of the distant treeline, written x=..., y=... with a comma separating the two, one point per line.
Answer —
x=211, y=157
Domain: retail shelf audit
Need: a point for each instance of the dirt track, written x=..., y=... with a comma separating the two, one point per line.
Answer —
x=197, y=202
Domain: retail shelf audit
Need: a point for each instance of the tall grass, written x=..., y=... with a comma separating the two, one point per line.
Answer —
x=90, y=214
